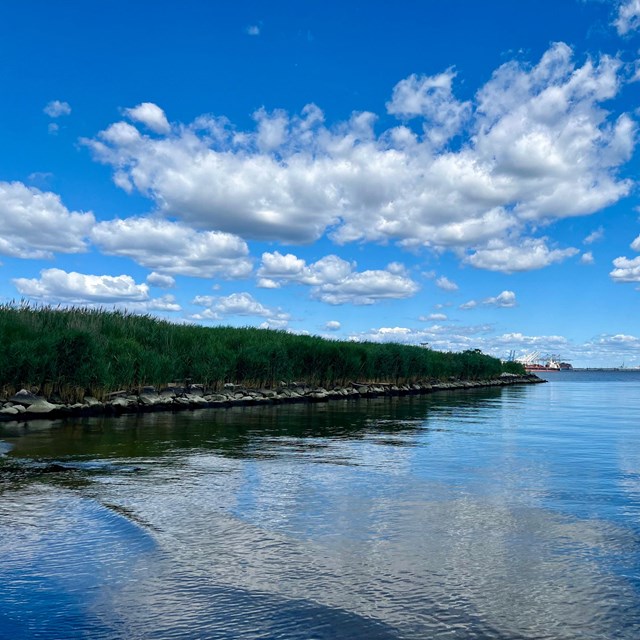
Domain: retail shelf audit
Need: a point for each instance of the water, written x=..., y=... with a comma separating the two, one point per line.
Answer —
x=498, y=513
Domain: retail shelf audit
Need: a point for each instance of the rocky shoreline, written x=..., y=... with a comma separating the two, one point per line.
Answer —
x=25, y=405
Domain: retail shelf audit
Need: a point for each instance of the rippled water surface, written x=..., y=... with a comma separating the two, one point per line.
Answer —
x=501, y=513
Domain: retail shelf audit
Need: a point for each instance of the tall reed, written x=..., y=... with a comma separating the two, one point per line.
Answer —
x=77, y=351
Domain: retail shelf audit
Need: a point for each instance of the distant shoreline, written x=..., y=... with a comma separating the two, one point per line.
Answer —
x=617, y=369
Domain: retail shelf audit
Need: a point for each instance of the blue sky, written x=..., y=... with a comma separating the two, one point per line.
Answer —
x=457, y=173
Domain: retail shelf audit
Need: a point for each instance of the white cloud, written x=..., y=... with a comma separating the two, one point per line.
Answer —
x=613, y=350
x=444, y=283
x=78, y=288
x=56, y=108
x=272, y=129
x=628, y=18
x=620, y=338
x=334, y=281
x=53, y=128
x=587, y=258
x=55, y=286
x=173, y=248
x=431, y=98
x=289, y=267
x=604, y=350
x=438, y=337
x=267, y=283
x=397, y=268
x=150, y=115
x=504, y=300
x=40, y=178
x=394, y=331
x=537, y=147
x=460, y=338
x=635, y=245
x=522, y=340
x=366, y=287
x=239, y=304
x=253, y=30
x=35, y=224
x=531, y=254
x=332, y=325
x=594, y=236
x=626, y=270
x=434, y=317
x=164, y=303
x=161, y=280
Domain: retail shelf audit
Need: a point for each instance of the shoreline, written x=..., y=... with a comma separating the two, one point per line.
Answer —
x=25, y=406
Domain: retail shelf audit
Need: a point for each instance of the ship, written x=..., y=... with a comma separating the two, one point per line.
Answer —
x=533, y=362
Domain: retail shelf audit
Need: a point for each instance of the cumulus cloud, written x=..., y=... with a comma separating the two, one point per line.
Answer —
x=78, y=288
x=587, y=258
x=612, y=349
x=40, y=178
x=239, y=304
x=290, y=267
x=366, y=287
x=626, y=270
x=334, y=281
x=57, y=108
x=397, y=268
x=444, y=283
x=332, y=325
x=594, y=236
x=604, y=350
x=532, y=253
x=431, y=98
x=267, y=283
x=173, y=248
x=628, y=18
x=503, y=300
x=461, y=338
x=55, y=286
x=433, y=317
x=161, y=280
x=151, y=115
x=164, y=303
x=35, y=224
x=438, y=337
x=537, y=146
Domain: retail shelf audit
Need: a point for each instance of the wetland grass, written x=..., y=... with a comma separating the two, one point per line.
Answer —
x=76, y=351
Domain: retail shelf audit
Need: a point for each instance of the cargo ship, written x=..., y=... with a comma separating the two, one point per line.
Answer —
x=534, y=362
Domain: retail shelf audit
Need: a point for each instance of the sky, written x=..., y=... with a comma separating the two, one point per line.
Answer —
x=444, y=172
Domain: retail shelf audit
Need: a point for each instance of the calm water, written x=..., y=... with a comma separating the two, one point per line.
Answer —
x=505, y=514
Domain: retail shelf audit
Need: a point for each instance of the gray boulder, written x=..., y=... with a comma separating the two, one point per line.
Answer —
x=26, y=398
x=42, y=407
x=9, y=411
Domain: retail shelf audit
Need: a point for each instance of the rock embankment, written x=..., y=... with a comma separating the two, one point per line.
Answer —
x=25, y=405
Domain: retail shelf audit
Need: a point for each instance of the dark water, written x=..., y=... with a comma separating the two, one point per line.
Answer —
x=510, y=513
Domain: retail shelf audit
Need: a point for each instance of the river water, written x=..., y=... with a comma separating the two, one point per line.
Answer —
x=499, y=513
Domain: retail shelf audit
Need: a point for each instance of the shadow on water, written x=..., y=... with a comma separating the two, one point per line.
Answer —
x=74, y=569
x=233, y=432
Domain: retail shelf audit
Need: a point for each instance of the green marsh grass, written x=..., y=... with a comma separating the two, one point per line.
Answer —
x=76, y=351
